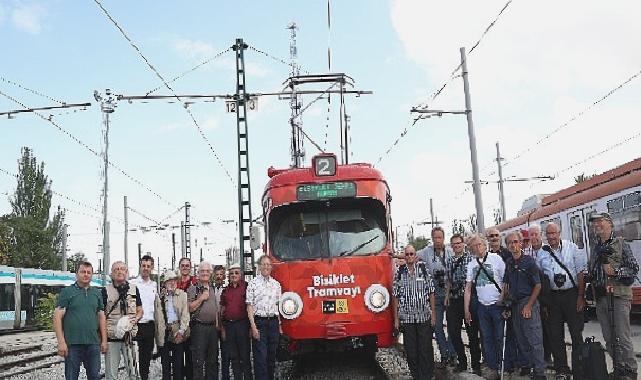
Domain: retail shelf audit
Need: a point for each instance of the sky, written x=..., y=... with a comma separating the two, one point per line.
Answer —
x=535, y=73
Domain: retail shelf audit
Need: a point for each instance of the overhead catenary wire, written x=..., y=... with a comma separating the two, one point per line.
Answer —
x=184, y=73
x=453, y=75
x=35, y=92
x=574, y=117
x=274, y=58
x=166, y=84
x=90, y=149
x=143, y=215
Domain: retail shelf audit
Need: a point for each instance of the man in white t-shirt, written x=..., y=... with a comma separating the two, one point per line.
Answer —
x=484, y=276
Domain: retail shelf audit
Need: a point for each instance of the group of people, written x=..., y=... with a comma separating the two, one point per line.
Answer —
x=513, y=301
x=189, y=319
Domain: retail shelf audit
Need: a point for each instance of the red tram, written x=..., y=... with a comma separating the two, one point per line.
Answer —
x=328, y=232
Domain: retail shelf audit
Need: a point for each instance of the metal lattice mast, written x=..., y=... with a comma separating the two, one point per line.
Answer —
x=297, y=148
x=187, y=231
x=244, y=189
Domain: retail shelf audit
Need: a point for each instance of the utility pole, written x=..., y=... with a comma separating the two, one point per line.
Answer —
x=173, y=250
x=431, y=213
x=501, y=193
x=182, y=238
x=187, y=231
x=107, y=106
x=476, y=185
x=126, y=233
x=139, y=252
x=64, y=246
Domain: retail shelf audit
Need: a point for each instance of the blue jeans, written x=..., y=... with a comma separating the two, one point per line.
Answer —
x=265, y=348
x=445, y=346
x=492, y=325
x=85, y=354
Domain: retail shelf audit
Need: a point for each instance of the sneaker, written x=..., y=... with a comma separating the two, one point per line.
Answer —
x=460, y=368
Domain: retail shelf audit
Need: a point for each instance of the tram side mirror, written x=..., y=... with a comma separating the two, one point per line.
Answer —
x=254, y=237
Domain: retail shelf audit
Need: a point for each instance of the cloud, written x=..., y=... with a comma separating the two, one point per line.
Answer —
x=193, y=49
x=541, y=63
x=27, y=17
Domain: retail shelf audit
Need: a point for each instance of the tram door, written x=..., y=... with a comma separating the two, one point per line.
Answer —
x=580, y=232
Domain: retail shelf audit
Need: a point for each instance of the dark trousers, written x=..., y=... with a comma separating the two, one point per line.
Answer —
x=145, y=338
x=188, y=367
x=547, y=350
x=455, y=321
x=225, y=363
x=265, y=348
x=85, y=354
x=562, y=309
x=417, y=338
x=172, y=359
x=237, y=345
x=204, y=351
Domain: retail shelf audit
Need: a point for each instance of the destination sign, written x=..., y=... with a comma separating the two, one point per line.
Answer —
x=316, y=191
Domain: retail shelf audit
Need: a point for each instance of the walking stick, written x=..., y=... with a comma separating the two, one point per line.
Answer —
x=503, y=349
x=613, y=336
x=131, y=355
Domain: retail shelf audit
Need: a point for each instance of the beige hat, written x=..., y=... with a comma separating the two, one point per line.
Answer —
x=169, y=274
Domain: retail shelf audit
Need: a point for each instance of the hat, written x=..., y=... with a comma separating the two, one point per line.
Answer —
x=525, y=234
x=124, y=326
x=600, y=215
x=169, y=274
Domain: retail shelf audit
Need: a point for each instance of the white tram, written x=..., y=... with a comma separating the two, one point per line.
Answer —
x=617, y=191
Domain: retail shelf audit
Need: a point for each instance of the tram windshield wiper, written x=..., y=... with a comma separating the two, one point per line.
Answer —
x=351, y=251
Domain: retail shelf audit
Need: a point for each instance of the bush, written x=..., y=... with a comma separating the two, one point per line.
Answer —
x=44, y=311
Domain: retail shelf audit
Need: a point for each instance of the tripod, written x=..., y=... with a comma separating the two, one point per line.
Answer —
x=614, y=339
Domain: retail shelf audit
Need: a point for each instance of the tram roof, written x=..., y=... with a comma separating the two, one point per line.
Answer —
x=610, y=182
x=294, y=176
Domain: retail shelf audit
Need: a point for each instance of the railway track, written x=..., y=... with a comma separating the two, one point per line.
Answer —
x=18, y=360
x=351, y=365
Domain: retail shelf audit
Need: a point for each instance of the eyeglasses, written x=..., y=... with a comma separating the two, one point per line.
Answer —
x=410, y=253
x=493, y=235
x=185, y=265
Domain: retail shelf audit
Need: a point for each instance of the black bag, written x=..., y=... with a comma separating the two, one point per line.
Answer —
x=592, y=365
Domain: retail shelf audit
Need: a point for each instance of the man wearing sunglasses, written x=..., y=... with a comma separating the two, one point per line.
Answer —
x=235, y=326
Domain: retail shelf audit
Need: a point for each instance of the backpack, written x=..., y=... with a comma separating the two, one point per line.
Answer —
x=591, y=363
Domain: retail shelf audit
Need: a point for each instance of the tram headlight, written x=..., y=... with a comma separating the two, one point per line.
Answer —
x=377, y=298
x=291, y=305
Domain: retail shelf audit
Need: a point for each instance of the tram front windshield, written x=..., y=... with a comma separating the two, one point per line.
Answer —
x=322, y=229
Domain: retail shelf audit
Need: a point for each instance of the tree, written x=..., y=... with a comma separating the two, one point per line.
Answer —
x=73, y=261
x=36, y=240
x=5, y=239
x=582, y=178
x=419, y=242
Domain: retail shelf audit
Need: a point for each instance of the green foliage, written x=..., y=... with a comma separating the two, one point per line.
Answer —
x=73, y=261
x=44, y=311
x=419, y=242
x=582, y=178
x=35, y=239
x=5, y=238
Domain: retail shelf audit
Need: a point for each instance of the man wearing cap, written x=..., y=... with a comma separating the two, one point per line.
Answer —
x=613, y=269
x=174, y=321
x=123, y=309
x=204, y=331
x=565, y=267
x=235, y=324
x=263, y=298
x=184, y=282
x=80, y=326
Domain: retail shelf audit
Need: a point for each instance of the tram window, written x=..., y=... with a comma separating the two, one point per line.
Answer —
x=576, y=226
x=615, y=205
x=632, y=200
x=6, y=297
x=627, y=221
x=319, y=229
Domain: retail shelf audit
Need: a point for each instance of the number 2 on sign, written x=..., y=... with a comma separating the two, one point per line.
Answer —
x=341, y=306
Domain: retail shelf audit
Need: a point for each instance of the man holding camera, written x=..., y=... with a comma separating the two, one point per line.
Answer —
x=522, y=287
x=435, y=257
x=613, y=269
x=564, y=266
x=454, y=293
x=412, y=305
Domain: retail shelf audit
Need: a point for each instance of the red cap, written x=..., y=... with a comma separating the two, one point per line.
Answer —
x=526, y=234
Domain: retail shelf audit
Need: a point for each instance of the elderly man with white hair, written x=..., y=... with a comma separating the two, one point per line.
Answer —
x=204, y=331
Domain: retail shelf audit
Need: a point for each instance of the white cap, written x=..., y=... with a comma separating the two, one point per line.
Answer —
x=124, y=326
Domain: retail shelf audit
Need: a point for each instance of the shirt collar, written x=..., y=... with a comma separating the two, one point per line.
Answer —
x=80, y=287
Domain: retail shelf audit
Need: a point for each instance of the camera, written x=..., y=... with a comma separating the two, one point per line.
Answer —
x=559, y=279
x=439, y=278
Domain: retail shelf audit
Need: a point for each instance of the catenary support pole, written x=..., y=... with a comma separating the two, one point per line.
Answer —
x=126, y=243
x=476, y=185
x=501, y=192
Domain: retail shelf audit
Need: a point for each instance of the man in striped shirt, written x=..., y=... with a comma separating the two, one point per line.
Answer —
x=412, y=290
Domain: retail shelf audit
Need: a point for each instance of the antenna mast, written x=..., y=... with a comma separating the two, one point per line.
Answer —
x=297, y=149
